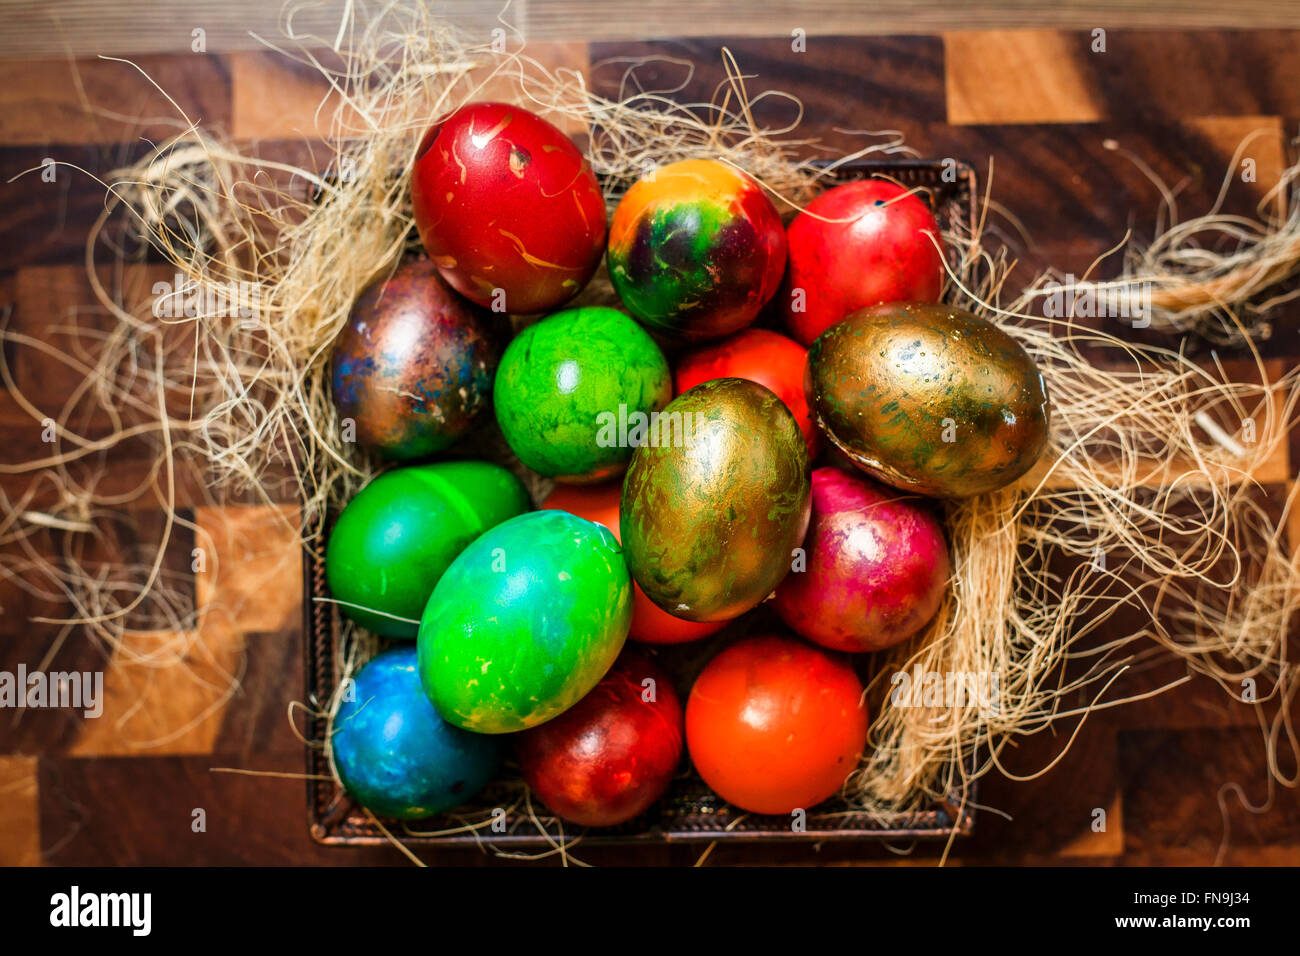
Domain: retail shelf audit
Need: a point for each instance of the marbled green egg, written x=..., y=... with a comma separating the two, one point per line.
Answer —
x=397, y=536
x=525, y=622
x=709, y=523
x=565, y=384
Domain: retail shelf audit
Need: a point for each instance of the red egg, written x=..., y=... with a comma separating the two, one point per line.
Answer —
x=651, y=624
x=773, y=725
x=507, y=208
x=607, y=758
x=877, y=566
x=758, y=355
x=882, y=250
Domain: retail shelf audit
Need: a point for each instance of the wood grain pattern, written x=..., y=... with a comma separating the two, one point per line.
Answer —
x=1063, y=76
x=36, y=28
x=104, y=101
x=1045, y=83
x=20, y=823
x=277, y=98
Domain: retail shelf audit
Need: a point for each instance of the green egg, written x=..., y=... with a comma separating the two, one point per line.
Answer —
x=568, y=387
x=395, y=539
x=525, y=622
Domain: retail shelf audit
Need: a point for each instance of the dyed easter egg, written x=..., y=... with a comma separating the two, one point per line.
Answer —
x=414, y=364
x=877, y=565
x=709, y=523
x=855, y=246
x=396, y=537
x=393, y=752
x=650, y=623
x=696, y=249
x=929, y=398
x=774, y=726
x=613, y=753
x=508, y=208
x=525, y=622
x=758, y=355
x=571, y=388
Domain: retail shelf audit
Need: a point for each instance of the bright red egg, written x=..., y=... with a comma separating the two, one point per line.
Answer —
x=877, y=566
x=507, y=208
x=609, y=756
x=859, y=245
x=767, y=358
x=774, y=725
x=651, y=624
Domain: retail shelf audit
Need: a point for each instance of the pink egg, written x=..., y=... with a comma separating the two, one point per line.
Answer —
x=877, y=566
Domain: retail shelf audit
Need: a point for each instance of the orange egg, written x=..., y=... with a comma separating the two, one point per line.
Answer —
x=774, y=725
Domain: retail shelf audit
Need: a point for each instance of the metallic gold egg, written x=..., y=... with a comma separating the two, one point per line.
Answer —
x=715, y=500
x=929, y=398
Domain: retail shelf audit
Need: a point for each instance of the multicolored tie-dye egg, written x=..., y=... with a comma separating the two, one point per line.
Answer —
x=414, y=364
x=696, y=249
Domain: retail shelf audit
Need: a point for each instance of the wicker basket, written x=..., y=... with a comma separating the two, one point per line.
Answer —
x=689, y=811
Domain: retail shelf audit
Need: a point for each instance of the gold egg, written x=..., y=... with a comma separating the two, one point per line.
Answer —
x=929, y=398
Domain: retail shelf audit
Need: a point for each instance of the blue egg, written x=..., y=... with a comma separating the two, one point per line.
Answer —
x=396, y=755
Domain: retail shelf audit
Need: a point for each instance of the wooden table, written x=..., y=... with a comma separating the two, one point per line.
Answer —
x=1041, y=105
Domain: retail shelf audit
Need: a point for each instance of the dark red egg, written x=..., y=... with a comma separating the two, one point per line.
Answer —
x=609, y=756
x=771, y=360
x=508, y=208
x=859, y=245
x=774, y=725
x=651, y=624
x=414, y=364
x=877, y=566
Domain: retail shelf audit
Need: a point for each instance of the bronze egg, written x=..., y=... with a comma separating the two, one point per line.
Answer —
x=709, y=523
x=929, y=398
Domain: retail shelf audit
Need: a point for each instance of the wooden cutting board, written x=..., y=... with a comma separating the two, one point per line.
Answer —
x=1059, y=123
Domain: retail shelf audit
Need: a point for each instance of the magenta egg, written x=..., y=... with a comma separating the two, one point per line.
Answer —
x=876, y=566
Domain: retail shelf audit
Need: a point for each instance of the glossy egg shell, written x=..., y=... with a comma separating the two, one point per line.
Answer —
x=877, y=566
x=650, y=623
x=525, y=622
x=709, y=523
x=929, y=398
x=565, y=384
x=696, y=249
x=609, y=756
x=503, y=200
x=858, y=245
x=393, y=752
x=413, y=366
x=773, y=725
x=396, y=537
x=771, y=360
